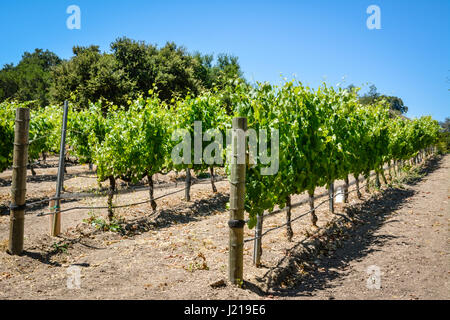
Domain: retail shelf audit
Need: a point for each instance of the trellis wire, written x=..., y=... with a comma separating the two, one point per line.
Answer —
x=114, y=207
x=302, y=215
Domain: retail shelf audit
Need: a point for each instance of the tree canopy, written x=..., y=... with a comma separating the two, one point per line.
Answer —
x=131, y=69
x=30, y=79
x=445, y=125
x=395, y=103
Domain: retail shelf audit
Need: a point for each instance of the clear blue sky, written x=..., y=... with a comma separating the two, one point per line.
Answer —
x=313, y=40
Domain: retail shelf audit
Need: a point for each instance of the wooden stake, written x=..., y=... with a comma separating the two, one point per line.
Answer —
x=331, y=197
x=211, y=171
x=346, y=189
x=237, y=195
x=358, y=191
x=390, y=171
x=19, y=181
x=311, y=207
x=257, y=248
x=111, y=191
x=53, y=207
x=289, y=232
x=151, y=192
x=377, y=180
x=55, y=230
x=367, y=177
x=187, y=192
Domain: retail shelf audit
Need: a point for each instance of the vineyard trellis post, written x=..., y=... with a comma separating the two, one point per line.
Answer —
x=367, y=178
x=389, y=169
x=211, y=173
x=311, y=206
x=358, y=190
x=56, y=217
x=346, y=182
x=257, y=249
x=377, y=179
x=237, y=195
x=289, y=232
x=331, y=196
x=187, y=193
x=52, y=209
x=19, y=180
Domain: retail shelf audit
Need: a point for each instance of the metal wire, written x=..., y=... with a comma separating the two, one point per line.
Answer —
x=75, y=196
x=302, y=215
x=120, y=206
x=36, y=139
x=85, y=195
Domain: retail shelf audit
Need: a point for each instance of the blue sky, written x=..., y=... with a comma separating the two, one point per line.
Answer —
x=314, y=41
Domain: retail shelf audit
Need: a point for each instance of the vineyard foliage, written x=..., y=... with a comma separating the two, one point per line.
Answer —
x=136, y=141
x=86, y=129
x=44, y=134
x=324, y=134
x=207, y=110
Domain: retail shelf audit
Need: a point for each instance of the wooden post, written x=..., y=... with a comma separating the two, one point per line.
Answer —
x=389, y=170
x=367, y=178
x=257, y=248
x=56, y=226
x=377, y=180
x=346, y=189
x=111, y=191
x=237, y=195
x=52, y=208
x=311, y=208
x=289, y=232
x=151, y=192
x=331, y=197
x=19, y=181
x=211, y=171
x=187, y=192
x=358, y=191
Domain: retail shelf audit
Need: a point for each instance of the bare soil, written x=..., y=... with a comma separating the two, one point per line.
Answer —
x=181, y=251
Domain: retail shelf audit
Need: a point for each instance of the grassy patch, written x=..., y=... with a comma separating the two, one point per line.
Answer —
x=60, y=247
x=101, y=224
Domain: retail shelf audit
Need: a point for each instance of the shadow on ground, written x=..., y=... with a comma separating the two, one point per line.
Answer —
x=49, y=254
x=4, y=209
x=307, y=266
x=181, y=214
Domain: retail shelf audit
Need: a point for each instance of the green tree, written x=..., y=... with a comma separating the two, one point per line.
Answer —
x=133, y=68
x=170, y=69
x=175, y=73
x=445, y=125
x=395, y=103
x=30, y=80
x=89, y=76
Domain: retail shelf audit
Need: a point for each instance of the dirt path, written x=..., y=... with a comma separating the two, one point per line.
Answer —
x=409, y=243
x=179, y=252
